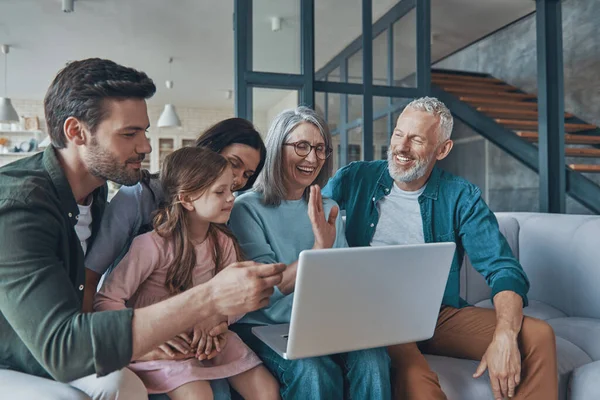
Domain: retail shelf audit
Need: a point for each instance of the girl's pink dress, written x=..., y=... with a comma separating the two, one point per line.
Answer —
x=139, y=281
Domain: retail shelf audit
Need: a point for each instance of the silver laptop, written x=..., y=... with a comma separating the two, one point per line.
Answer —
x=363, y=297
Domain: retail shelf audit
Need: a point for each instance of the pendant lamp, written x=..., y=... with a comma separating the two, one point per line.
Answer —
x=169, y=117
x=8, y=113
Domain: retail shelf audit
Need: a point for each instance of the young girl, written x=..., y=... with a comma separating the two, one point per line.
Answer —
x=188, y=246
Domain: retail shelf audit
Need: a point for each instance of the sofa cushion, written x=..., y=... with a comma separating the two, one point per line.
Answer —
x=570, y=357
x=535, y=309
x=583, y=332
x=584, y=382
x=456, y=378
x=458, y=384
x=560, y=256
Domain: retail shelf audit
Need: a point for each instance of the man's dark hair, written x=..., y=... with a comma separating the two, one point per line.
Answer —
x=79, y=91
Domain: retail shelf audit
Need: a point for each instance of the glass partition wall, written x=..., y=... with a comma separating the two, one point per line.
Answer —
x=359, y=77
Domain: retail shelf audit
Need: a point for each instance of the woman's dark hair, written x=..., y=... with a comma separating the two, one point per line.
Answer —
x=231, y=131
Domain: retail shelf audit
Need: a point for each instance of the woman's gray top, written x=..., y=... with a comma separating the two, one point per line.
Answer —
x=127, y=215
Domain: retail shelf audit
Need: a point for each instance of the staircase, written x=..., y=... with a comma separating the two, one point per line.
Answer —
x=509, y=118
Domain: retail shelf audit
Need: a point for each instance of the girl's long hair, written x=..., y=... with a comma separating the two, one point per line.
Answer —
x=189, y=171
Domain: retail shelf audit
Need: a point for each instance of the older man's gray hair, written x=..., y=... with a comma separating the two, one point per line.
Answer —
x=270, y=181
x=435, y=107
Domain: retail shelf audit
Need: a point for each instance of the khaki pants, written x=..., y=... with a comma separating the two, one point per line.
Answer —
x=119, y=385
x=466, y=333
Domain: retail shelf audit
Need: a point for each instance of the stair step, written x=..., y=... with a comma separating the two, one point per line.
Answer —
x=581, y=152
x=469, y=78
x=491, y=93
x=486, y=101
x=584, y=167
x=510, y=112
x=515, y=123
x=569, y=139
x=444, y=83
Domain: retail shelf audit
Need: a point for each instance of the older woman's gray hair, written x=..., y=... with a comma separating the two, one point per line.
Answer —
x=270, y=181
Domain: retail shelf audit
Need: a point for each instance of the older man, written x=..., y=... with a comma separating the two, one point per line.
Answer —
x=408, y=200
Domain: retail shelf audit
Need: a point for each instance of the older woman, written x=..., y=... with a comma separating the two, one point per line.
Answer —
x=283, y=216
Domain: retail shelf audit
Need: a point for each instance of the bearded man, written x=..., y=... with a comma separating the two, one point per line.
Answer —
x=406, y=199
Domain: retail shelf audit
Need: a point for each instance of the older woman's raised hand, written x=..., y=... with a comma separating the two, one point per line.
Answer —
x=323, y=228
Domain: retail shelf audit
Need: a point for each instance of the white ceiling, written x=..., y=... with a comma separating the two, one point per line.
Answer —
x=199, y=35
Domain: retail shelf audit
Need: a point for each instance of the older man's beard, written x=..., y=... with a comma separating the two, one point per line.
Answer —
x=417, y=171
x=103, y=164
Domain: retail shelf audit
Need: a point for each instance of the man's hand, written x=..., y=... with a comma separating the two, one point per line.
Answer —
x=503, y=360
x=206, y=326
x=244, y=287
x=323, y=229
x=214, y=345
x=204, y=344
x=178, y=348
x=180, y=343
x=158, y=354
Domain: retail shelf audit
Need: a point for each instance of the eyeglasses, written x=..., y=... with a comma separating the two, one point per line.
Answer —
x=303, y=149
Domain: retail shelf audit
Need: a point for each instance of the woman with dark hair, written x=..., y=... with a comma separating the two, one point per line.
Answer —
x=130, y=212
x=236, y=139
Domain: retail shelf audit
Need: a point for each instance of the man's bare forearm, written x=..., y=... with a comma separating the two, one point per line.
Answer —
x=155, y=324
x=509, y=312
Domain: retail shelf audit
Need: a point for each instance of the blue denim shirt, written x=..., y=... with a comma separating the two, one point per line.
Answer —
x=452, y=210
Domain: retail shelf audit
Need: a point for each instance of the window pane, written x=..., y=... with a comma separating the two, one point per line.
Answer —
x=333, y=121
x=337, y=24
x=355, y=103
x=320, y=103
x=334, y=76
x=380, y=59
x=276, y=36
x=355, y=136
x=333, y=110
x=355, y=70
x=267, y=103
x=380, y=104
x=405, y=50
x=380, y=7
x=380, y=138
x=335, y=145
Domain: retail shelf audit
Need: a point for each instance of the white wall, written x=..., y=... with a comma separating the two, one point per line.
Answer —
x=194, y=121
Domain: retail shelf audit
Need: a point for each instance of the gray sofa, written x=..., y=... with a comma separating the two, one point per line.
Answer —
x=561, y=255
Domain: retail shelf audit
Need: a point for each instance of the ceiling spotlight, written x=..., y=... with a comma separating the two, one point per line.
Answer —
x=275, y=24
x=68, y=6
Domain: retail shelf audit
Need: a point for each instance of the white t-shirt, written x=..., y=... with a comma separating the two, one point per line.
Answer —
x=83, y=228
x=400, y=219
